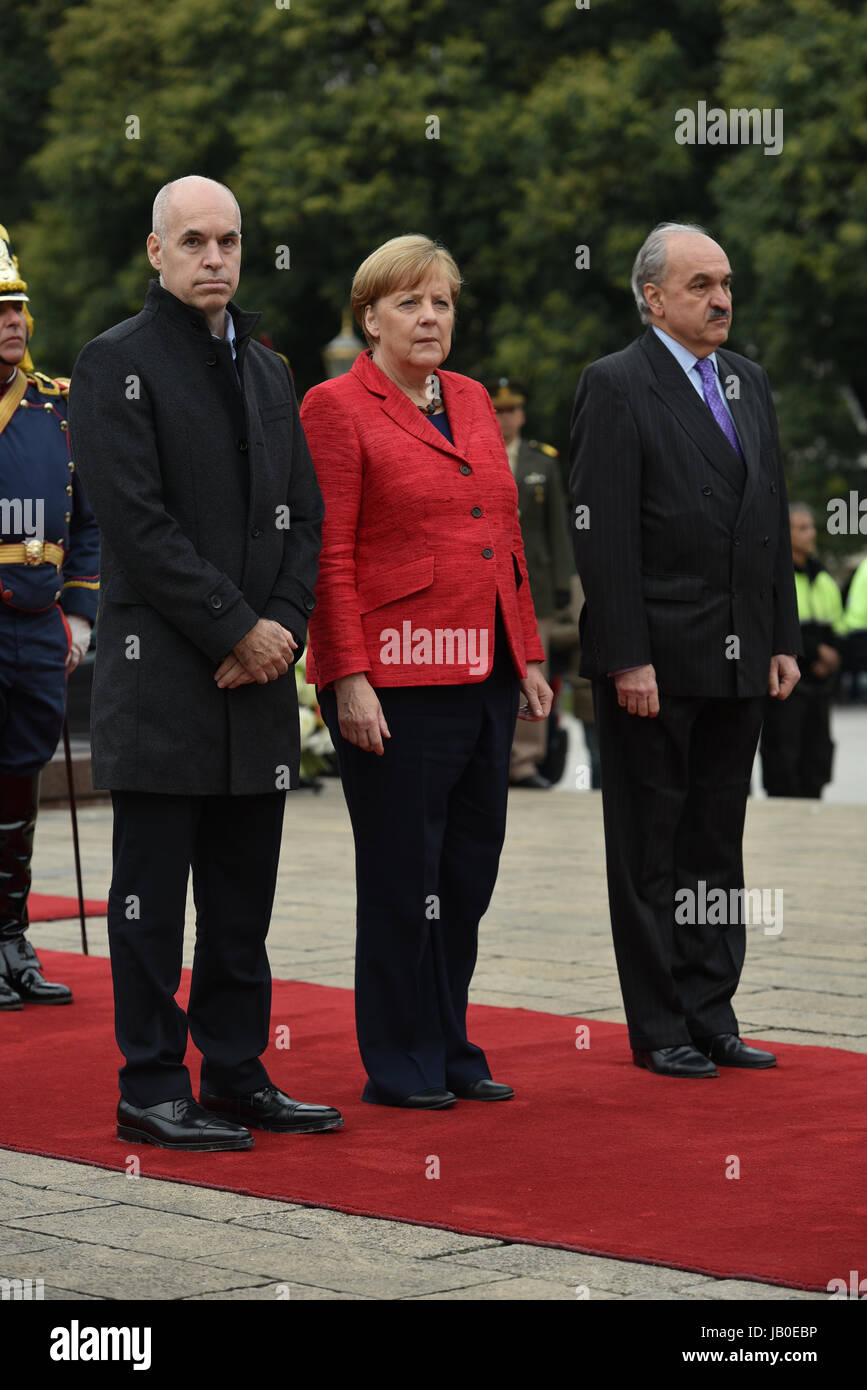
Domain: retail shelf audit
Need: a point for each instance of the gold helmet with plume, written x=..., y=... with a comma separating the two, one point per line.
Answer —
x=13, y=287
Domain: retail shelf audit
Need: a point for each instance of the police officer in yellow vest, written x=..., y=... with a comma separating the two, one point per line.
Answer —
x=797, y=751
x=49, y=549
x=855, y=619
x=545, y=530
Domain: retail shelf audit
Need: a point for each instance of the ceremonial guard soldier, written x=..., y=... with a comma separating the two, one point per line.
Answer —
x=49, y=551
x=545, y=529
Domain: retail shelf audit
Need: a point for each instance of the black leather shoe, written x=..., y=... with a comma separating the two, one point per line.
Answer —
x=8, y=998
x=682, y=1060
x=179, y=1124
x=23, y=973
x=434, y=1098
x=484, y=1090
x=271, y=1109
x=728, y=1050
x=535, y=782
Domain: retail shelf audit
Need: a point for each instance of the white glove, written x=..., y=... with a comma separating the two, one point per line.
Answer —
x=80, y=630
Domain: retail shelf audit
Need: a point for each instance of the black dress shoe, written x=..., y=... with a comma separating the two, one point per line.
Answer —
x=23, y=974
x=535, y=782
x=434, y=1098
x=179, y=1124
x=728, y=1050
x=682, y=1060
x=8, y=998
x=485, y=1089
x=271, y=1109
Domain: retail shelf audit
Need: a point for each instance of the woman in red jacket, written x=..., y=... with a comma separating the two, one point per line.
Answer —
x=422, y=637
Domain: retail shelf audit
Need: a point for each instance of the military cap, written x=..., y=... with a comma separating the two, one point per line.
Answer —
x=504, y=393
x=11, y=284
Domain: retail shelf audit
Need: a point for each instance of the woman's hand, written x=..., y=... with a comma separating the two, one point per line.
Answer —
x=538, y=692
x=359, y=713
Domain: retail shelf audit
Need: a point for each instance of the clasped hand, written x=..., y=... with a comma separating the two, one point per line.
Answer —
x=264, y=653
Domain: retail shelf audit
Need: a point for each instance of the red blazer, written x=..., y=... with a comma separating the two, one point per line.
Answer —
x=420, y=537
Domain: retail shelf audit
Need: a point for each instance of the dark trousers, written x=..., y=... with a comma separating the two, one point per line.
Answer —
x=797, y=751
x=33, y=650
x=232, y=844
x=429, y=819
x=674, y=795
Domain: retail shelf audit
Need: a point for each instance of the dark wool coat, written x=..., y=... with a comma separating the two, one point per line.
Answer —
x=211, y=518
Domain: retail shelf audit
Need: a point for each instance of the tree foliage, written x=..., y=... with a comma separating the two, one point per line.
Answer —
x=554, y=130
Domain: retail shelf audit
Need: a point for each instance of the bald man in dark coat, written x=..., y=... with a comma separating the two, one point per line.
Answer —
x=187, y=435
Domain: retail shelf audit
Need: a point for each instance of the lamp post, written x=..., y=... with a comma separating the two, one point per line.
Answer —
x=341, y=352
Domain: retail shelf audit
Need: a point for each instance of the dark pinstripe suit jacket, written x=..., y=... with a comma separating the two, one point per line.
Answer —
x=682, y=548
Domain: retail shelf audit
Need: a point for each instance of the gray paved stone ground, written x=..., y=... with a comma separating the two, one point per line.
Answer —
x=92, y=1234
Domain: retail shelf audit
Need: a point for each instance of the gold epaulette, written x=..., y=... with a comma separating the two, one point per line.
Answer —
x=545, y=449
x=49, y=385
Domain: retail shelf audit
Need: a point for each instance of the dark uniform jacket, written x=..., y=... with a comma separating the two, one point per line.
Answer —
x=211, y=518
x=41, y=497
x=544, y=524
x=684, y=547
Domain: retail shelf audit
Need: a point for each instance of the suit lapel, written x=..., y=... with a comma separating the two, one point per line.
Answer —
x=399, y=408
x=682, y=399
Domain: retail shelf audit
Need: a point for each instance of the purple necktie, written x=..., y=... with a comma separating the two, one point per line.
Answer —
x=715, y=405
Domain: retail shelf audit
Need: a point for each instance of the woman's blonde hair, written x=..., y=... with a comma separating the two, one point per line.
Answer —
x=400, y=263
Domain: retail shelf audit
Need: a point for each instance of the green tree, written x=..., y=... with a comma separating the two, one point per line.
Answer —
x=514, y=133
x=796, y=228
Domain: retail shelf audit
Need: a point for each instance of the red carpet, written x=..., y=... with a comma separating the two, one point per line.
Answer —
x=593, y=1154
x=43, y=907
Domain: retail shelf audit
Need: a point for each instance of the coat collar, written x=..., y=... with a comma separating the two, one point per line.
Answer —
x=161, y=301
x=684, y=401
x=398, y=406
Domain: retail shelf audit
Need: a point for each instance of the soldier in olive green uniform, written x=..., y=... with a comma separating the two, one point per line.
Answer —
x=545, y=530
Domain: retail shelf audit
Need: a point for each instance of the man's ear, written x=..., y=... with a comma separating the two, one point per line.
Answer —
x=652, y=299
x=154, y=246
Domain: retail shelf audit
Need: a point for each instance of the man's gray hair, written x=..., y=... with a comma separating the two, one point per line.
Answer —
x=163, y=200
x=650, y=263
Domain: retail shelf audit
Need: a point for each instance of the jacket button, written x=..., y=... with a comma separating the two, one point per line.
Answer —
x=71, y=466
x=243, y=446
x=736, y=540
x=216, y=601
x=57, y=596
x=211, y=360
x=255, y=533
x=477, y=511
x=310, y=604
x=708, y=491
x=773, y=487
x=766, y=540
x=487, y=552
x=69, y=489
x=465, y=469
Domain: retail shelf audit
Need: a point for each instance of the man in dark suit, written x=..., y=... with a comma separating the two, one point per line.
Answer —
x=681, y=538
x=187, y=434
